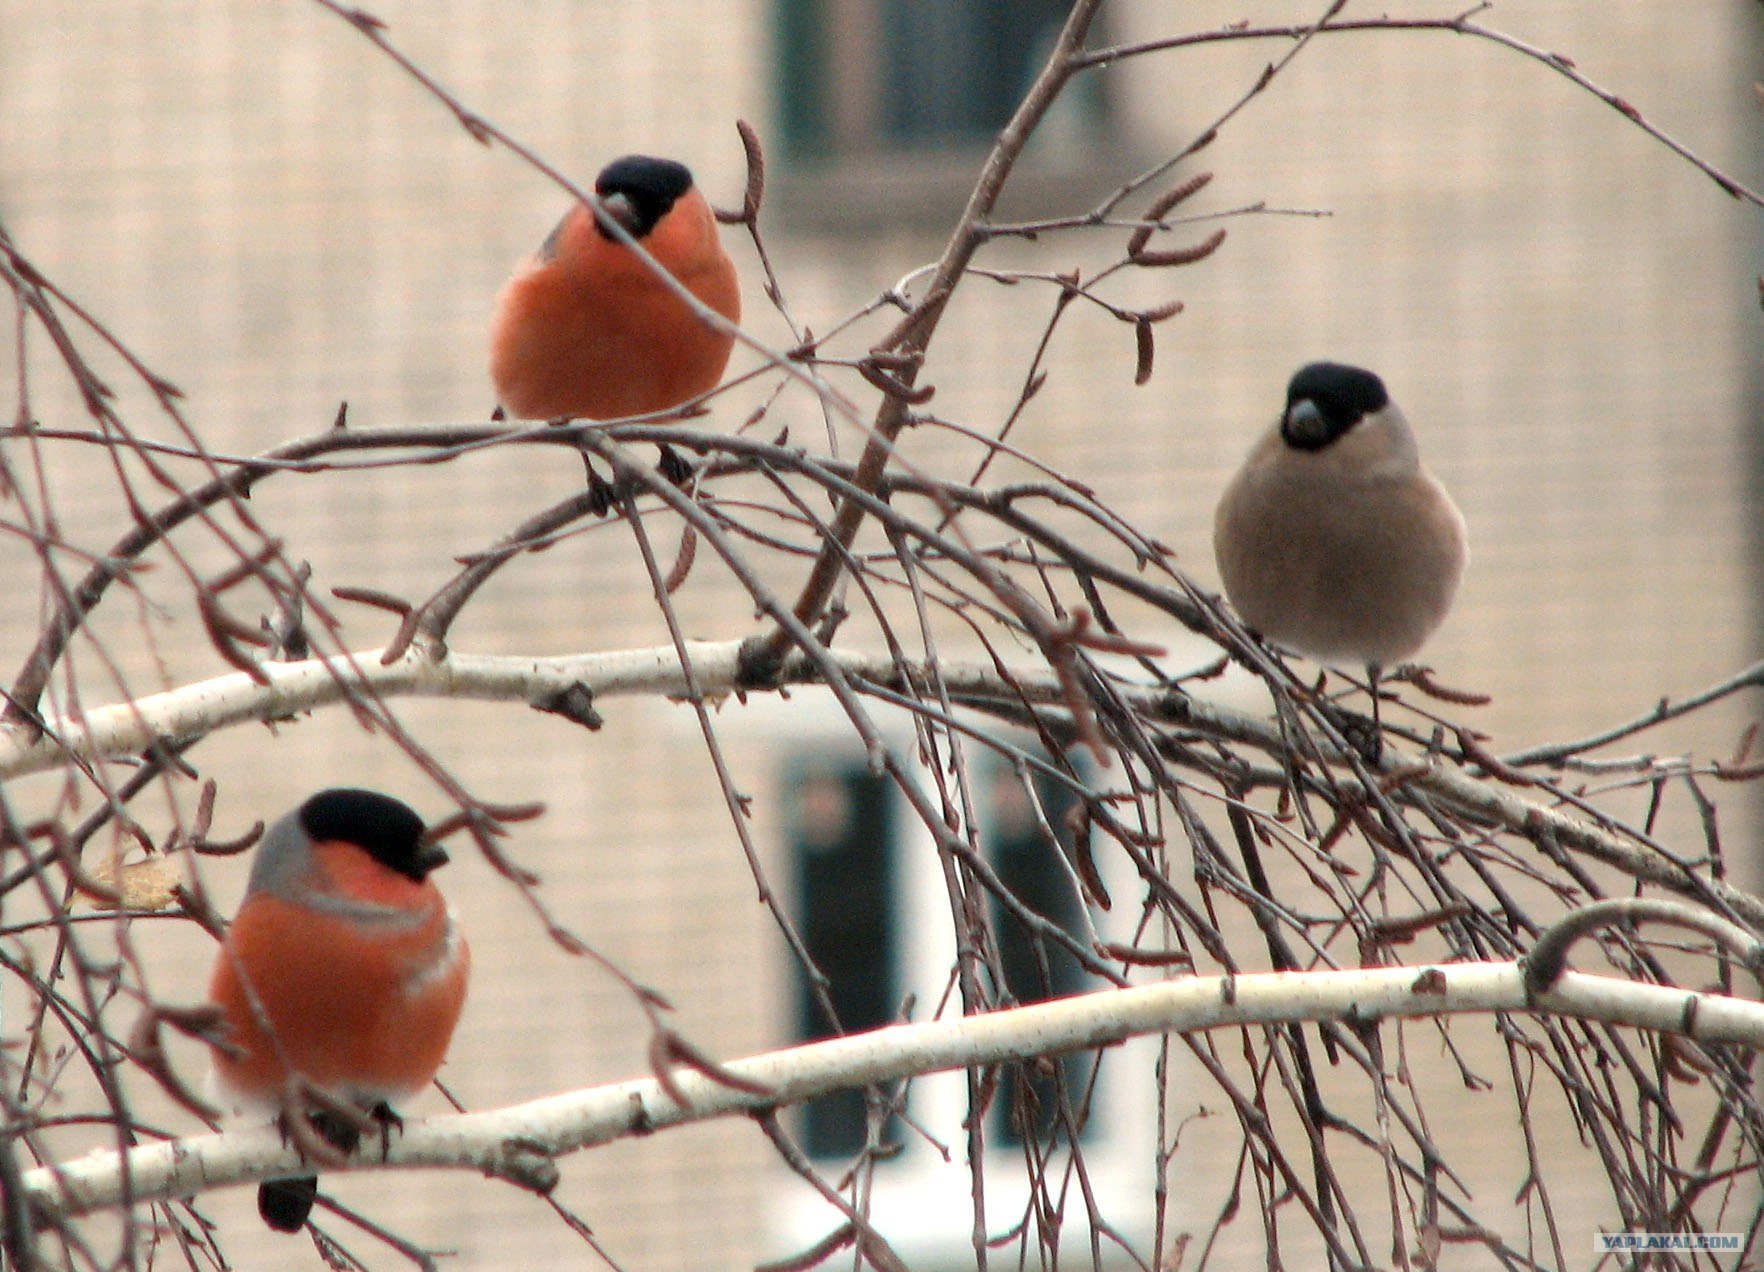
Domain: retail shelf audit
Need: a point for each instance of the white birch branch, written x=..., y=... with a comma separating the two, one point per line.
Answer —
x=519, y=1142
x=188, y=712
x=178, y=715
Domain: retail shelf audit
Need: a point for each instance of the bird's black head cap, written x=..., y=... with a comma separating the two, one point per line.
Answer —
x=389, y=831
x=1326, y=399
x=649, y=185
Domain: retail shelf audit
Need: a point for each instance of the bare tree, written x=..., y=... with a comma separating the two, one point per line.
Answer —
x=1313, y=900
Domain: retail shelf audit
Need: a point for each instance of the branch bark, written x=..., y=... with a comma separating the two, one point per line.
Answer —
x=515, y=1142
x=178, y=716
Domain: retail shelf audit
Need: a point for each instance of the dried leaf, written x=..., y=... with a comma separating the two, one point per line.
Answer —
x=137, y=885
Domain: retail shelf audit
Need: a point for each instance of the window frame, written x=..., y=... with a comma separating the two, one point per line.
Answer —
x=922, y=1201
x=853, y=178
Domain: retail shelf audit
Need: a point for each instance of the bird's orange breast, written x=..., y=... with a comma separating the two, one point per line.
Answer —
x=589, y=331
x=364, y=1009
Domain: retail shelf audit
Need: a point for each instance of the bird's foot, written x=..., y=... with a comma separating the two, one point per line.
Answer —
x=1363, y=733
x=339, y=1129
x=286, y=1204
x=673, y=466
x=601, y=493
x=388, y=1120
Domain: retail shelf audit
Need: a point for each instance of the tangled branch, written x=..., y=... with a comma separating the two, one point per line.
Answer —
x=1395, y=876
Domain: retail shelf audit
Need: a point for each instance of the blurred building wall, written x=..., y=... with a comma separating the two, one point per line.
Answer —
x=267, y=212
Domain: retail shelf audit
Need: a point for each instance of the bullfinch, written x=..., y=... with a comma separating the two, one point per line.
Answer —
x=1333, y=540
x=344, y=967
x=585, y=329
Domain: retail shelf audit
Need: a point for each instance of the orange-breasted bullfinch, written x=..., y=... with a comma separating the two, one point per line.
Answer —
x=1333, y=540
x=585, y=329
x=344, y=967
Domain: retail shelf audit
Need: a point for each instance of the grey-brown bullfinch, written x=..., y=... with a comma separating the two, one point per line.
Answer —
x=1332, y=539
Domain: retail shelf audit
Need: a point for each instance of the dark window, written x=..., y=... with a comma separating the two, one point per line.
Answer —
x=1027, y=863
x=849, y=907
x=843, y=846
x=857, y=77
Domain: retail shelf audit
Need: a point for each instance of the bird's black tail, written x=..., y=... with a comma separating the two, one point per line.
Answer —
x=285, y=1203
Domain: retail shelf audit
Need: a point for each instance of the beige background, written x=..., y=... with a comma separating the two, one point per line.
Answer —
x=273, y=217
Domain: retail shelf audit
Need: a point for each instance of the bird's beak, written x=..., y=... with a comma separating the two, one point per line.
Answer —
x=1305, y=425
x=430, y=857
x=620, y=208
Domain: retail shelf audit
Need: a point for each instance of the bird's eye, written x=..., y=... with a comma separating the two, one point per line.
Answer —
x=1305, y=426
